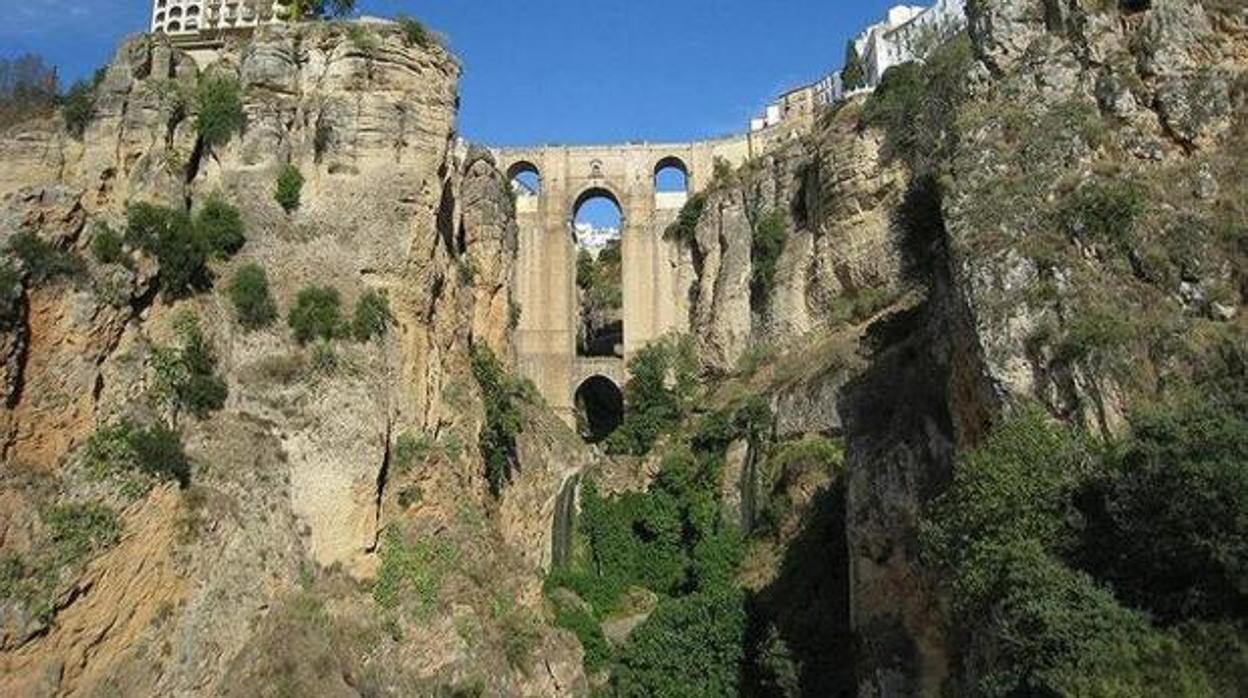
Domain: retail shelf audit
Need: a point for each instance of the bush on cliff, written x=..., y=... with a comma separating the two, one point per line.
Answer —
x=182, y=245
x=42, y=261
x=316, y=314
x=503, y=419
x=126, y=448
x=372, y=316
x=766, y=243
x=289, y=188
x=186, y=374
x=653, y=406
x=254, y=306
x=220, y=109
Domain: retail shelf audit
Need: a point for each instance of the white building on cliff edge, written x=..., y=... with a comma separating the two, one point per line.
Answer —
x=192, y=18
x=907, y=33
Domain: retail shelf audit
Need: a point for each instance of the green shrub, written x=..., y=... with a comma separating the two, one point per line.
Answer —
x=289, y=188
x=588, y=632
x=372, y=316
x=654, y=407
x=411, y=574
x=503, y=419
x=77, y=530
x=220, y=103
x=853, y=73
x=415, y=33
x=1105, y=212
x=691, y=646
x=766, y=244
x=316, y=314
x=43, y=261
x=219, y=227
x=107, y=246
x=186, y=375
x=78, y=104
x=126, y=448
x=685, y=227
x=254, y=306
x=170, y=237
x=409, y=451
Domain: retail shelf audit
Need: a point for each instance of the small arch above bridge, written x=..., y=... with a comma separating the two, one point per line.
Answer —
x=599, y=408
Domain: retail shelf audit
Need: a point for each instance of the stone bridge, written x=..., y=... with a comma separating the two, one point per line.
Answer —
x=657, y=274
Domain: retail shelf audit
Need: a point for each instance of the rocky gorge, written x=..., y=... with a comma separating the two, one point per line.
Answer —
x=1045, y=220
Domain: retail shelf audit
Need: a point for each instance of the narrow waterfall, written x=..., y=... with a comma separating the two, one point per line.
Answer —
x=561, y=528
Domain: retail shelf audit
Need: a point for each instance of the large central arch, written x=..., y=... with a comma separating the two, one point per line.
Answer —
x=656, y=272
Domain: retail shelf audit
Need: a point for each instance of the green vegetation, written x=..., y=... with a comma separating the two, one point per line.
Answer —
x=415, y=33
x=1104, y=212
x=684, y=228
x=289, y=188
x=915, y=104
x=1082, y=570
x=43, y=261
x=854, y=72
x=219, y=228
x=183, y=246
x=71, y=535
x=363, y=39
x=78, y=104
x=652, y=405
x=186, y=375
x=691, y=646
x=766, y=243
x=411, y=574
x=107, y=245
x=254, y=306
x=409, y=451
x=503, y=419
x=674, y=541
x=316, y=314
x=125, y=449
x=220, y=113
x=372, y=316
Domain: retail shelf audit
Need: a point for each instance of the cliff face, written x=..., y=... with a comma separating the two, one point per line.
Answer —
x=957, y=252
x=299, y=471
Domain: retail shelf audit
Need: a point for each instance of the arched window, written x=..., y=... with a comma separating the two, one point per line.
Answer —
x=192, y=11
x=599, y=408
x=174, y=26
x=597, y=224
x=175, y=12
x=671, y=176
x=525, y=178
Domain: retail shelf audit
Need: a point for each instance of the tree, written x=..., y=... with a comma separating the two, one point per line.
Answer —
x=289, y=188
x=253, y=303
x=316, y=314
x=854, y=74
x=312, y=9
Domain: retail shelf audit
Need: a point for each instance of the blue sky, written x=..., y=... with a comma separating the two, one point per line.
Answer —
x=553, y=71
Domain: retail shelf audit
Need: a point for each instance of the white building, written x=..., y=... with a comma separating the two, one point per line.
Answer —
x=907, y=33
x=189, y=18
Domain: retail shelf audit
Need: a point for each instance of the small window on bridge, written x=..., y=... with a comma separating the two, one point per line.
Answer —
x=525, y=179
x=671, y=176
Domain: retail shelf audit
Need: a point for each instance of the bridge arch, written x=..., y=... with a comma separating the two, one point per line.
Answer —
x=599, y=407
x=525, y=178
x=671, y=175
x=598, y=190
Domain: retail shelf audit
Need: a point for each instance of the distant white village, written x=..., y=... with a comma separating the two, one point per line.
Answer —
x=907, y=33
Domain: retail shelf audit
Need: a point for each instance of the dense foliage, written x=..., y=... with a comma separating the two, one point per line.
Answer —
x=1077, y=569
x=182, y=245
x=503, y=420
x=316, y=314
x=254, y=306
x=854, y=72
x=653, y=404
x=415, y=33
x=674, y=541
